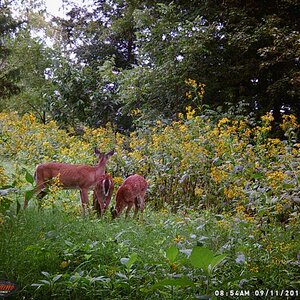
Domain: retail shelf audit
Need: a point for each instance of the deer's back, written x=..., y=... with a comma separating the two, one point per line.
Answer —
x=70, y=175
x=132, y=187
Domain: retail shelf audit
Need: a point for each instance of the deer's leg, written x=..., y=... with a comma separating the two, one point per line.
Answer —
x=95, y=203
x=139, y=204
x=136, y=209
x=108, y=199
x=95, y=200
x=129, y=205
x=84, y=199
x=100, y=203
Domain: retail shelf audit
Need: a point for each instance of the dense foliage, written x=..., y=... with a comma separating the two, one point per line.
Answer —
x=226, y=199
x=196, y=161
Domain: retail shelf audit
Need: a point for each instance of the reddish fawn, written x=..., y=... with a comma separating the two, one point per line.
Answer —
x=82, y=177
x=102, y=193
x=131, y=192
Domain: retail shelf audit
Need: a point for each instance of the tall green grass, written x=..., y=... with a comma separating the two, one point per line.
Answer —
x=52, y=254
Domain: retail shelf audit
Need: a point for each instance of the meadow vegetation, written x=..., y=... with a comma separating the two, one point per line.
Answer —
x=222, y=209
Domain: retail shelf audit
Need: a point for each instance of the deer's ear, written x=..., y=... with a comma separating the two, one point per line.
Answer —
x=110, y=153
x=97, y=151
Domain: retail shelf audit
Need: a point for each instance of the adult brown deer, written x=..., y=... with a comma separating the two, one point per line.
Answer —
x=102, y=193
x=131, y=192
x=82, y=177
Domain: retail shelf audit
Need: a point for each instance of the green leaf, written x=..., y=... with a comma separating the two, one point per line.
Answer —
x=201, y=257
x=45, y=281
x=68, y=243
x=87, y=256
x=129, y=261
x=46, y=274
x=29, y=194
x=29, y=178
x=217, y=260
x=204, y=258
x=57, y=277
x=179, y=282
x=257, y=175
x=132, y=260
x=172, y=253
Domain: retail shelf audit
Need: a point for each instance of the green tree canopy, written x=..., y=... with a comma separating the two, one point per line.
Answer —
x=8, y=73
x=117, y=55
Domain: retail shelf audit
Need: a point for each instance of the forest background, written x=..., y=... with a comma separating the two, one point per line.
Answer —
x=102, y=61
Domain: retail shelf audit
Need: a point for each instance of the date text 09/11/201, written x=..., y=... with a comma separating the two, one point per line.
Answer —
x=257, y=293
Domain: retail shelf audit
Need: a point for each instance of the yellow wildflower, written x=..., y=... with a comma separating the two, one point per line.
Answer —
x=190, y=113
x=64, y=264
x=178, y=238
x=289, y=122
x=267, y=118
x=254, y=269
x=191, y=82
x=223, y=121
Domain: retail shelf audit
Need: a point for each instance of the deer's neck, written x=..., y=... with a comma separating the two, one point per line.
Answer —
x=100, y=170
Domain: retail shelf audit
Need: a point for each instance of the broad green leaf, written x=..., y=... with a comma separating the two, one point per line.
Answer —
x=68, y=243
x=205, y=259
x=45, y=281
x=121, y=275
x=172, y=253
x=201, y=257
x=124, y=260
x=29, y=178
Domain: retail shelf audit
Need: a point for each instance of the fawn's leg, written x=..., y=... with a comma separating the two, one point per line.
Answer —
x=130, y=204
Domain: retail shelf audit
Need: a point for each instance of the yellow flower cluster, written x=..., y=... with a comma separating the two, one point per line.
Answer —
x=191, y=82
x=218, y=175
x=178, y=238
x=254, y=269
x=223, y=121
x=233, y=192
x=198, y=89
x=224, y=224
x=3, y=177
x=276, y=178
x=289, y=122
x=267, y=118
